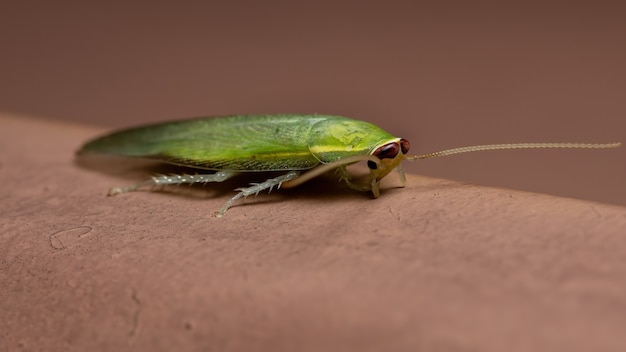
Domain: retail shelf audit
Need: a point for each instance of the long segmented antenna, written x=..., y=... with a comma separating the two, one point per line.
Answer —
x=478, y=148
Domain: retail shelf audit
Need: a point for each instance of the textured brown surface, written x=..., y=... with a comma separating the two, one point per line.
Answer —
x=436, y=266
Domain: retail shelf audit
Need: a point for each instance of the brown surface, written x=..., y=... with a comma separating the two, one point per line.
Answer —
x=441, y=74
x=436, y=266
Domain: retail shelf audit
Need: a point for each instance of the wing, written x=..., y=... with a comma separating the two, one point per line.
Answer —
x=239, y=143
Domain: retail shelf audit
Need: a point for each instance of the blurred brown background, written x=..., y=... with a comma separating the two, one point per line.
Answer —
x=441, y=74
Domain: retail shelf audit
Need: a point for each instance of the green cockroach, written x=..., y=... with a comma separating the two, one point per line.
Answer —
x=302, y=146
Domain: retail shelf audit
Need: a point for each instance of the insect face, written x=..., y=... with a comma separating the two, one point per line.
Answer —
x=391, y=155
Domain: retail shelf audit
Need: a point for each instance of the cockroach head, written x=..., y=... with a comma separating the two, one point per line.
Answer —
x=391, y=153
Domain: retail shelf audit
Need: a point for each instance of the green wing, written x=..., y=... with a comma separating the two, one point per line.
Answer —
x=240, y=143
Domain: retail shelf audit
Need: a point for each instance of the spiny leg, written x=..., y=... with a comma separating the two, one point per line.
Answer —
x=162, y=180
x=255, y=188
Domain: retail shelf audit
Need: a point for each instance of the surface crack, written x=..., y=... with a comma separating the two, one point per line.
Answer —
x=135, y=328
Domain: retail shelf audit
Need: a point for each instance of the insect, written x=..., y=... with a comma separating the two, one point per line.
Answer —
x=300, y=146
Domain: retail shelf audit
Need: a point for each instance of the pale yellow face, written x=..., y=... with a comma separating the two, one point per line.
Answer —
x=391, y=153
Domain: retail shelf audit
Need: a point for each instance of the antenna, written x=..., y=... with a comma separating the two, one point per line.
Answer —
x=478, y=148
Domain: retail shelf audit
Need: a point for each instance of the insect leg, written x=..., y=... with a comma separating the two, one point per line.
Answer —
x=330, y=166
x=400, y=170
x=341, y=165
x=345, y=177
x=162, y=180
x=255, y=188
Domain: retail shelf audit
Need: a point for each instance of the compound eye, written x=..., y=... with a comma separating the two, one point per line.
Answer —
x=405, y=146
x=387, y=151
